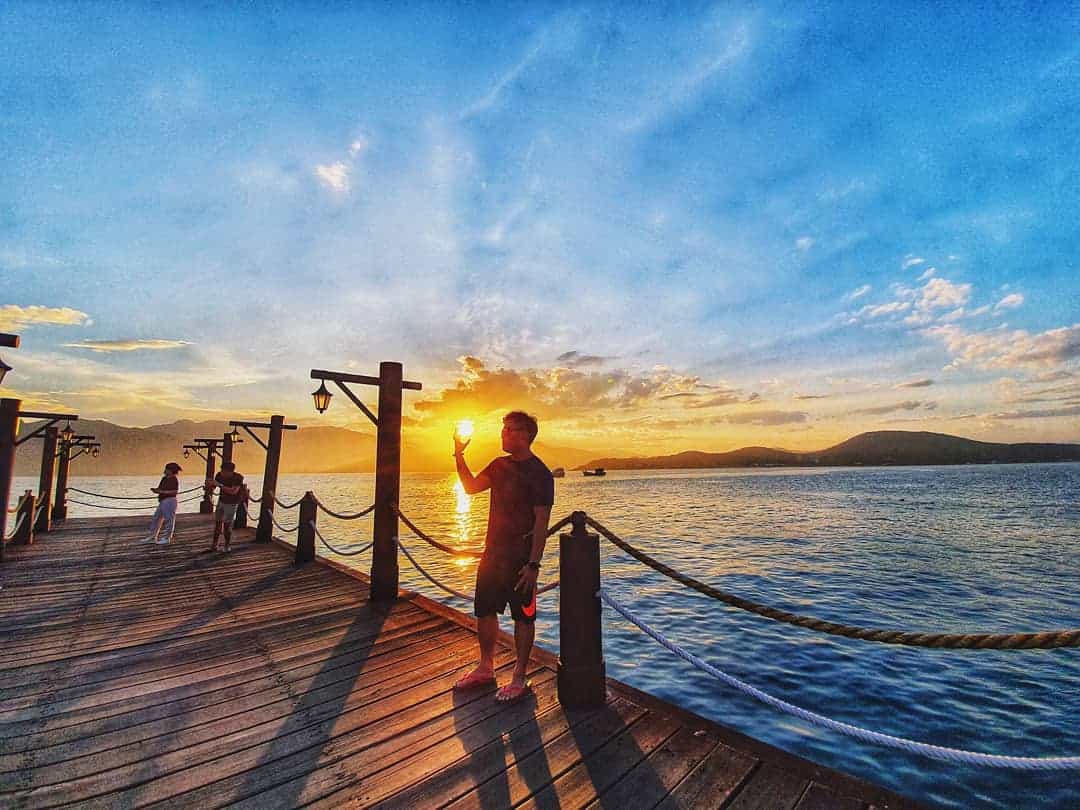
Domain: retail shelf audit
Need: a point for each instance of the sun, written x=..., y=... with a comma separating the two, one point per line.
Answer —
x=465, y=429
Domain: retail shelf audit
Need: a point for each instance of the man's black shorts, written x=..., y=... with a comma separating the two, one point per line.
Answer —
x=495, y=580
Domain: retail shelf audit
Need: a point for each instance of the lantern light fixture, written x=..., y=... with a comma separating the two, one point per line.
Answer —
x=322, y=397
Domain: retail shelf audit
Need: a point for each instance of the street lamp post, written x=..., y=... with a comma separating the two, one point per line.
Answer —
x=10, y=414
x=65, y=457
x=384, y=564
x=272, y=446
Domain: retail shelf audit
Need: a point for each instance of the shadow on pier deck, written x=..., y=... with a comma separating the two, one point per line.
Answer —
x=135, y=675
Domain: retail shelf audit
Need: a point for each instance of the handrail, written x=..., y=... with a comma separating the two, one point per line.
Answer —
x=953, y=641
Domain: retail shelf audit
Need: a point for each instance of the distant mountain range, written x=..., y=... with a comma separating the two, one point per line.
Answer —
x=311, y=449
x=877, y=448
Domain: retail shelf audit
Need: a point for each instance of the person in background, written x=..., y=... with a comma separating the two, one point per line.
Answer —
x=231, y=485
x=165, y=514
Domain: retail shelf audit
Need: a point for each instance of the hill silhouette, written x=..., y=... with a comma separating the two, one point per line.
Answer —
x=876, y=448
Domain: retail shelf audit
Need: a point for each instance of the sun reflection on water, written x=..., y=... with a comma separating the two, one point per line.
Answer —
x=461, y=513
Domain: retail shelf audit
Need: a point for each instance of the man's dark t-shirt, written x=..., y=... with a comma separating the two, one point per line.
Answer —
x=170, y=483
x=233, y=480
x=516, y=488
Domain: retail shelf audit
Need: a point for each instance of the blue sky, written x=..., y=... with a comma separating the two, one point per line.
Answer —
x=657, y=227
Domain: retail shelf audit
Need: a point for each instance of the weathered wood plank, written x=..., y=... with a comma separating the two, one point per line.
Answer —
x=133, y=675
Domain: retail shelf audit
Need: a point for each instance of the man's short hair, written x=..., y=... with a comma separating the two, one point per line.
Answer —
x=520, y=419
x=227, y=466
x=172, y=466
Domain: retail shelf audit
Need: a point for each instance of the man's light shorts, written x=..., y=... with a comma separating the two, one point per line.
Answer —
x=226, y=512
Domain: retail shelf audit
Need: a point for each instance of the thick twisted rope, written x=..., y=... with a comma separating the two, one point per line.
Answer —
x=253, y=499
x=284, y=505
x=141, y=508
x=433, y=542
x=335, y=550
x=341, y=516
x=280, y=527
x=549, y=587
x=432, y=579
x=952, y=641
x=461, y=552
x=912, y=746
x=18, y=525
x=126, y=497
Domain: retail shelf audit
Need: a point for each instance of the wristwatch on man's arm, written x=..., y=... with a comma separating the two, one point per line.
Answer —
x=533, y=564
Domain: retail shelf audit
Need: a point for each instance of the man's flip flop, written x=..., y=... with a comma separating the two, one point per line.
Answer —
x=512, y=693
x=474, y=680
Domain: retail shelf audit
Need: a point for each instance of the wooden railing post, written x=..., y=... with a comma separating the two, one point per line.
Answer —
x=9, y=432
x=48, y=466
x=226, y=448
x=206, y=505
x=25, y=535
x=59, y=506
x=305, y=530
x=581, y=676
x=270, y=476
x=384, y=559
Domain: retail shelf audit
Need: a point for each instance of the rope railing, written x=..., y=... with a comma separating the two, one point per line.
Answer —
x=430, y=578
x=912, y=746
x=15, y=530
x=953, y=641
x=432, y=541
x=343, y=516
x=127, y=497
x=337, y=550
x=141, y=508
x=280, y=527
x=461, y=552
x=284, y=505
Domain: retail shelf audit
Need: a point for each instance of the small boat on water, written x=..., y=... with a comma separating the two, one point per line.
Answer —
x=558, y=472
x=597, y=471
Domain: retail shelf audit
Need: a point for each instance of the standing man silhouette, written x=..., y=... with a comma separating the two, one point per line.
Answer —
x=522, y=494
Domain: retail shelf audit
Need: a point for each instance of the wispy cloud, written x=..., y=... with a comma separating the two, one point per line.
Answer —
x=106, y=346
x=491, y=97
x=334, y=176
x=575, y=359
x=858, y=293
x=14, y=317
x=923, y=383
x=907, y=405
x=765, y=418
x=912, y=262
x=1011, y=301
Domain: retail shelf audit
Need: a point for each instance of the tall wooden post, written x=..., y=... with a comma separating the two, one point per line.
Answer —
x=581, y=672
x=48, y=466
x=305, y=530
x=59, y=506
x=25, y=517
x=9, y=432
x=270, y=476
x=384, y=561
x=226, y=448
x=206, y=505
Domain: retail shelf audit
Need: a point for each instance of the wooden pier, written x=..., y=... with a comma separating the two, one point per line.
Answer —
x=134, y=675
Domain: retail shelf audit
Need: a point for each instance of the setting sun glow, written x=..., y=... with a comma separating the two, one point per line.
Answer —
x=465, y=429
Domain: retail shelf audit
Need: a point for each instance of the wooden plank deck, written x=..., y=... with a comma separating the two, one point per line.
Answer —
x=135, y=675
